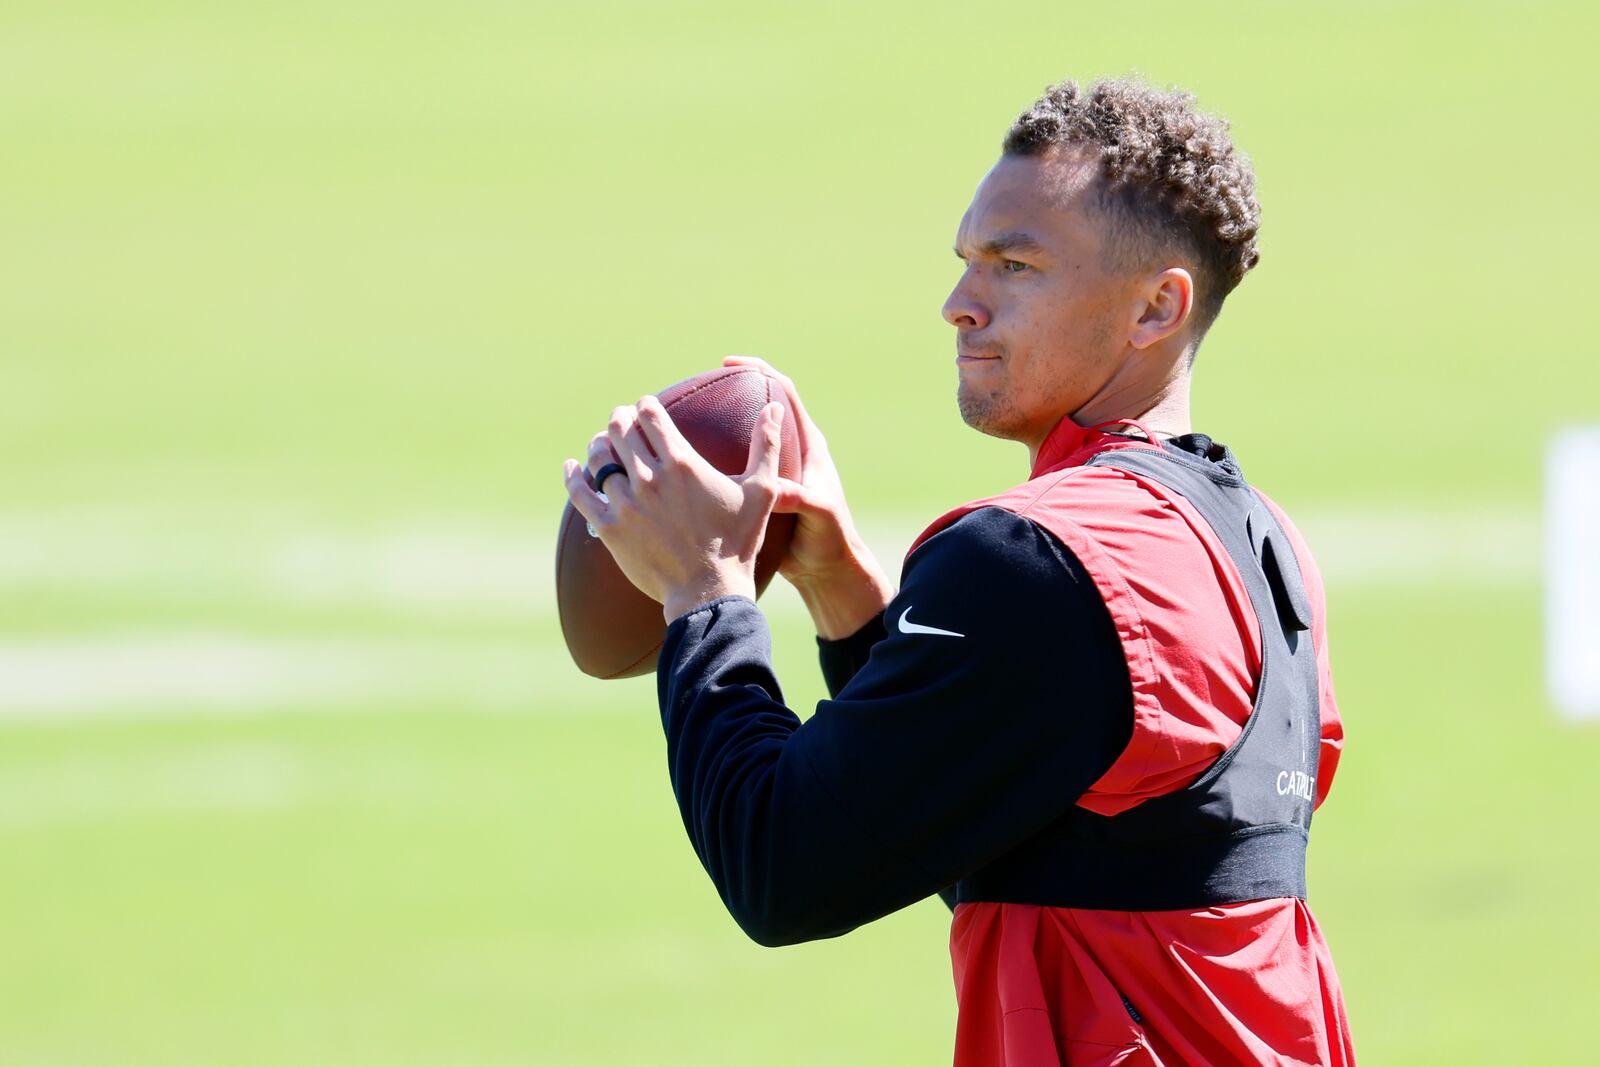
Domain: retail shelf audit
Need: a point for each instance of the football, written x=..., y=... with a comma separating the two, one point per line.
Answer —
x=612, y=629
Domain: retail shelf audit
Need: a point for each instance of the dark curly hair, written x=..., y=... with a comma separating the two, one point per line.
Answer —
x=1170, y=179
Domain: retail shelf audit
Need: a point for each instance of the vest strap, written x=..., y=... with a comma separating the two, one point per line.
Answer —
x=1261, y=863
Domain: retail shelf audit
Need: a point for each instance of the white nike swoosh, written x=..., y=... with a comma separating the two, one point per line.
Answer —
x=908, y=627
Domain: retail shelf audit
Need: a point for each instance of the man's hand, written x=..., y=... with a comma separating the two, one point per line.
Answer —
x=681, y=530
x=836, y=574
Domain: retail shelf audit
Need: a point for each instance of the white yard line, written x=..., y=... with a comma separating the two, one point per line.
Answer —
x=465, y=569
x=487, y=566
x=91, y=787
x=431, y=564
x=240, y=673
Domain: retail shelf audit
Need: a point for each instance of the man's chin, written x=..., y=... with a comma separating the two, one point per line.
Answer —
x=986, y=414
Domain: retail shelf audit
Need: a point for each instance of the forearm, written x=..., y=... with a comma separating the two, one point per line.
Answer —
x=842, y=660
x=849, y=595
x=788, y=861
x=936, y=757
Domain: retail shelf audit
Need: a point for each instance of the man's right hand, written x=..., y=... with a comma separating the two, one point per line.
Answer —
x=837, y=576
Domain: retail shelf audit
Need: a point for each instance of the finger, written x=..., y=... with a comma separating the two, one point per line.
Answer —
x=765, y=445
x=794, y=498
x=757, y=363
x=659, y=431
x=628, y=445
x=585, y=500
x=751, y=361
x=600, y=452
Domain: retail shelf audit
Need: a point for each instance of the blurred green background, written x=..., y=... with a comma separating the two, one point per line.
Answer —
x=302, y=306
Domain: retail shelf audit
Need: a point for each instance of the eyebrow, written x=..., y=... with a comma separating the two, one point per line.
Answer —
x=1010, y=241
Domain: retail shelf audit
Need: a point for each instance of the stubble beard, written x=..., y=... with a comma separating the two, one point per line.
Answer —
x=984, y=411
x=989, y=411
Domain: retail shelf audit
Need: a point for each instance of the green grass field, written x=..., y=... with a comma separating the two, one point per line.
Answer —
x=302, y=307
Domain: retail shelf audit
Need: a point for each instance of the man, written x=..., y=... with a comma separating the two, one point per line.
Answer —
x=1097, y=714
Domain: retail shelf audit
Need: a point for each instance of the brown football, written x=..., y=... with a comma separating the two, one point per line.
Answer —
x=612, y=629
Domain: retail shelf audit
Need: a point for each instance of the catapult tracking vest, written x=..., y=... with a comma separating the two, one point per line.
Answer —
x=1239, y=831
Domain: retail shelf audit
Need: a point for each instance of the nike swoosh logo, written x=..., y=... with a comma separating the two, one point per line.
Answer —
x=909, y=627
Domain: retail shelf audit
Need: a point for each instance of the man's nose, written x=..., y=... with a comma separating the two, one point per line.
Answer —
x=963, y=310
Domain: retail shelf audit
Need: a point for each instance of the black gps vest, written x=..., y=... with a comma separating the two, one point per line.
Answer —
x=1239, y=831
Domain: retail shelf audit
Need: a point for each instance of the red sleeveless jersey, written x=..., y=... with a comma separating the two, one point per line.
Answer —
x=1244, y=983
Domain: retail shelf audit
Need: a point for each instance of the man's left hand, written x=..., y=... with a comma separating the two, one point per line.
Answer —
x=680, y=530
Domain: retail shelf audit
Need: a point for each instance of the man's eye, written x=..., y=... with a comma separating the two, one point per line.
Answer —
x=1015, y=267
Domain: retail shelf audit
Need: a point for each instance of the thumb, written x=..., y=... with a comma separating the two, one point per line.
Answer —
x=766, y=444
x=795, y=498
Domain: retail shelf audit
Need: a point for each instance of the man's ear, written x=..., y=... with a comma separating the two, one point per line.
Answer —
x=1165, y=303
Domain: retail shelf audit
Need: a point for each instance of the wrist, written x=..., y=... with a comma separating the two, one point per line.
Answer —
x=847, y=596
x=679, y=602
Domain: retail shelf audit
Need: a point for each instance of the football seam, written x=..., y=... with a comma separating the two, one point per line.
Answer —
x=623, y=673
x=707, y=385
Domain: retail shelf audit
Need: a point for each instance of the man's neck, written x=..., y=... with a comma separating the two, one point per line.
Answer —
x=1166, y=416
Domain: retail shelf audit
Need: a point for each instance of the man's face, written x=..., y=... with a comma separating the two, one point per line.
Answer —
x=1040, y=323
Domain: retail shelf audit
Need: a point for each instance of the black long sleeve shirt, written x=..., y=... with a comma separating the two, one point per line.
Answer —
x=967, y=718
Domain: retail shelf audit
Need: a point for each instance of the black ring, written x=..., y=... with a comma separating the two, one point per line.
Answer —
x=605, y=472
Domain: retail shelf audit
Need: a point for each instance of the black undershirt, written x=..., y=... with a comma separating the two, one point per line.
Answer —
x=936, y=755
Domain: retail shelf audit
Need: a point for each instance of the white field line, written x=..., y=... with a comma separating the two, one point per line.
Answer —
x=432, y=564
x=91, y=787
x=462, y=569
x=240, y=673
x=482, y=566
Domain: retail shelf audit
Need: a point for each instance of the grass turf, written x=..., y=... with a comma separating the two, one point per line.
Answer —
x=320, y=269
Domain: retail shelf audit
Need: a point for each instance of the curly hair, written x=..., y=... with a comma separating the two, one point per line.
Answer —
x=1170, y=178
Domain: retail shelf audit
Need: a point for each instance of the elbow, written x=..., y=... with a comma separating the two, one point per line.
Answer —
x=768, y=934
x=774, y=923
